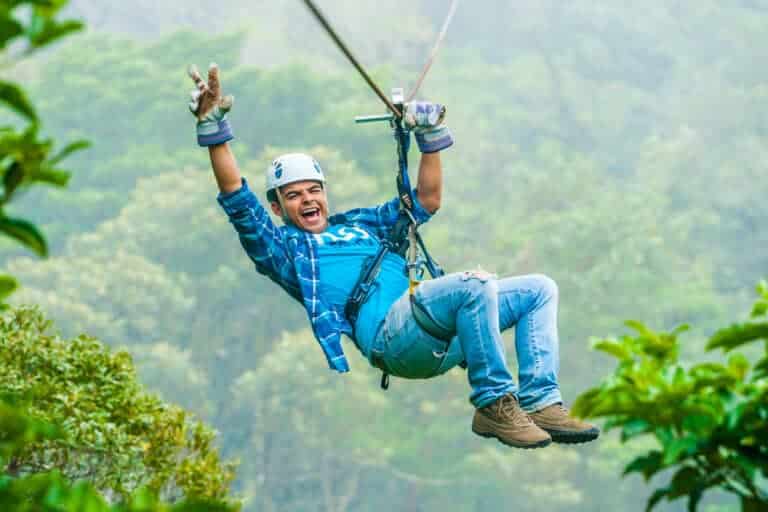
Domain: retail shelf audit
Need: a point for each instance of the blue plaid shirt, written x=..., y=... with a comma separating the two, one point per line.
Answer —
x=288, y=256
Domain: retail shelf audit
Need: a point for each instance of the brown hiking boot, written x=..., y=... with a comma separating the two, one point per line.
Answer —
x=507, y=422
x=563, y=427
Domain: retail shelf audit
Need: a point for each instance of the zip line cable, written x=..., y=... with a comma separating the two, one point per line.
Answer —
x=336, y=39
x=435, y=48
x=340, y=44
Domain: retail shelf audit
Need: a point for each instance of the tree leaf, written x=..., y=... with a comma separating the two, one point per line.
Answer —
x=761, y=368
x=648, y=464
x=762, y=288
x=738, y=366
x=15, y=98
x=14, y=175
x=685, y=480
x=634, y=428
x=700, y=424
x=678, y=448
x=657, y=495
x=613, y=348
x=585, y=403
x=737, y=335
x=26, y=233
x=9, y=28
x=707, y=370
x=749, y=504
x=733, y=418
x=7, y=286
x=68, y=150
x=693, y=499
x=641, y=329
x=43, y=30
x=54, y=177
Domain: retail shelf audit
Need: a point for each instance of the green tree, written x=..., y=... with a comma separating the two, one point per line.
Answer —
x=25, y=158
x=708, y=419
x=116, y=436
x=50, y=491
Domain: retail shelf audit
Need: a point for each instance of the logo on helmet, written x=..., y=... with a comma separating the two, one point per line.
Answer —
x=278, y=169
x=317, y=167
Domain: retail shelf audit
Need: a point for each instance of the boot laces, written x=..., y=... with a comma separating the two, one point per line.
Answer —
x=509, y=408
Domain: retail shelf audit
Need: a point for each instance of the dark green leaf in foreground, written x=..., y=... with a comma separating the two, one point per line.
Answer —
x=9, y=29
x=68, y=150
x=15, y=98
x=26, y=233
x=737, y=335
x=7, y=286
x=43, y=28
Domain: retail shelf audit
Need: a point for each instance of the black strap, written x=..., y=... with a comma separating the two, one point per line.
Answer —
x=363, y=286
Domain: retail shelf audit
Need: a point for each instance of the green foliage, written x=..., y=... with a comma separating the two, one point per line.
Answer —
x=15, y=99
x=709, y=420
x=116, y=436
x=51, y=491
x=17, y=430
x=617, y=148
x=26, y=159
x=39, y=28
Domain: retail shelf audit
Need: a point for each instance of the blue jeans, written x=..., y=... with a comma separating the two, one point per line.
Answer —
x=478, y=306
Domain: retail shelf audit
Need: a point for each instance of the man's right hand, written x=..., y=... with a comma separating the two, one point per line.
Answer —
x=210, y=108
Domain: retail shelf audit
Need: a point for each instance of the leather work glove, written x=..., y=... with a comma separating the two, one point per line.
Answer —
x=426, y=121
x=210, y=108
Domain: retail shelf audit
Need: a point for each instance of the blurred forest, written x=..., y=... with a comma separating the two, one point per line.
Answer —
x=617, y=148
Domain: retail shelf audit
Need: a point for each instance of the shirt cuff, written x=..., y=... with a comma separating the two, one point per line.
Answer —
x=238, y=200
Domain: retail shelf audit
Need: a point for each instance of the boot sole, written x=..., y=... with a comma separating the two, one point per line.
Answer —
x=538, y=444
x=570, y=437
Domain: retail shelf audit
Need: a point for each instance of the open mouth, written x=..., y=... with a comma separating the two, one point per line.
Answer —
x=311, y=214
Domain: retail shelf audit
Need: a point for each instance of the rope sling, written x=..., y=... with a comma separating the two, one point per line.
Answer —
x=404, y=239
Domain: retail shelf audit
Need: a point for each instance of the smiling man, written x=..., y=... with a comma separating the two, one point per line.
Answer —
x=317, y=258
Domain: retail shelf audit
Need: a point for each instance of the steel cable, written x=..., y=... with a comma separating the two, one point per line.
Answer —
x=340, y=44
x=336, y=39
x=435, y=49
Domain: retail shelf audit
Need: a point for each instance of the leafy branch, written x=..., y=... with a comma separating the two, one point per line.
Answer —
x=708, y=420
x=25, y=158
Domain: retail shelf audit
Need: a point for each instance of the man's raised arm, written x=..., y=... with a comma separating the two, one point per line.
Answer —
x=430, y=181
x=432, y=136
x=213, y=130
x=225, y=168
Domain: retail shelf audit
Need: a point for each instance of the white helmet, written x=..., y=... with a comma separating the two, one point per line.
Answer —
x=293, y=167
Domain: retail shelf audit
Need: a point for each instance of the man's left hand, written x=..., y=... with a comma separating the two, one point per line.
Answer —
x=427, y=122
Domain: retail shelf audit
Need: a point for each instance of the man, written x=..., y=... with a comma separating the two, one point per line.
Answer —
x=317, y=259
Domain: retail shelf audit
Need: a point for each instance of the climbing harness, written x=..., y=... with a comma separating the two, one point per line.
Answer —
x=404, y=238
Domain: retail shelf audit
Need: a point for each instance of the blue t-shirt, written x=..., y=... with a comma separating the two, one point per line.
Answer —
x=342, y=250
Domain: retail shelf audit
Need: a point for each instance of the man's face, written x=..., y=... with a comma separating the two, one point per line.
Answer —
x=306, y=205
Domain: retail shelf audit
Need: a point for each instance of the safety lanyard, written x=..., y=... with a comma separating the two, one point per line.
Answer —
x=404, y=236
